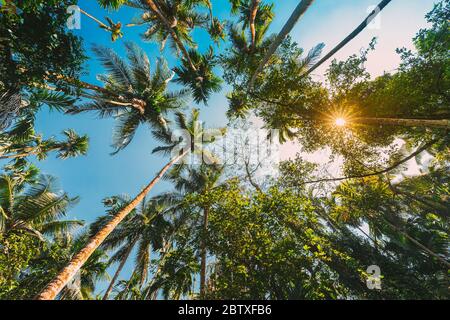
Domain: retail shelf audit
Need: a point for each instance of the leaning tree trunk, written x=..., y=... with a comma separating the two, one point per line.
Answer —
x=95, y=19
x=296, y=15
x=17, y=155
x=252, y=18
x=119, y=269
x=26, y=152
x=444, y=123
x=203, y=253
x=172, y=32
x=58, y=283
x=351, y=36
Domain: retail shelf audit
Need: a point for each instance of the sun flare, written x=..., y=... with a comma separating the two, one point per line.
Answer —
x=340, y=122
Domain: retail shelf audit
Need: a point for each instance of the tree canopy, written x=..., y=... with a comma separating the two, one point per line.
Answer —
x=224, y=230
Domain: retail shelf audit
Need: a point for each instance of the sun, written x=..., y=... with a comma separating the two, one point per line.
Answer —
x=340, y=122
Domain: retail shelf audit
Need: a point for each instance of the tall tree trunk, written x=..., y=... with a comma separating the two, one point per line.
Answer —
x=172, y=32
x=119, y=269
x=17, y=155
x=56, y=285
x=95, y=19
x=14, y=154
x=203, y=253
x=296, y=15
x=351, y=36
x=164, y=253
x=252, y=18
x=445, y=123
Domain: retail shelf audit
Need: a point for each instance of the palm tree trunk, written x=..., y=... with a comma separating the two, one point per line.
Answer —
x=164, y=253
x=24, y=154
x=95, y=19
x=445, y=123
x=119, y=269
x=56, y=285
x=296, y=15
x=351, y=36
x=16, y=156
x=203, y=253
x=174, y=35
x=253, y=12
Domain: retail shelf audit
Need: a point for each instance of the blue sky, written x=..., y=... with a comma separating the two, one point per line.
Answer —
x=99, y=174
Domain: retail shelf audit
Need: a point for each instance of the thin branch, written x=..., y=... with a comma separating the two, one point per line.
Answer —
x=376, y=173
x=249, y=175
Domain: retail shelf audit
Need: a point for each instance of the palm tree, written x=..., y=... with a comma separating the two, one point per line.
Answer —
x=287, y=28
x=73, y=146
x=179, y=149
x=253, y=15
x=54, y=255
x=34, y=207
x=135, y=84
x=175, y=19
x=93, y=271
x=244, y=57
x=181, y=17
x=203, y=82
x=129, y=289
x=199, y=180
x=114, y=28
x=144, y=229
x=175, y=277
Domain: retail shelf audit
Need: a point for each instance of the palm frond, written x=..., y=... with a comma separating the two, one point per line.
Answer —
x=125, y=130
x=116, y=67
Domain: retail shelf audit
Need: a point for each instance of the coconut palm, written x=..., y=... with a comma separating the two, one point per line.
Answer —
x=203, y=81
x=254, y=15
x=245, y=55
x=93, y=271
x=199, y=180
x=179, y=149
x=182, y=19
x=195, y=137
x=176, y=269
x=144, y=229
x=129, y=289
x=114, y=28
x=34, y=207
x=174, y=20
x=54, y=256
x=293, y=19
x=73, y=146
x=145, y=93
